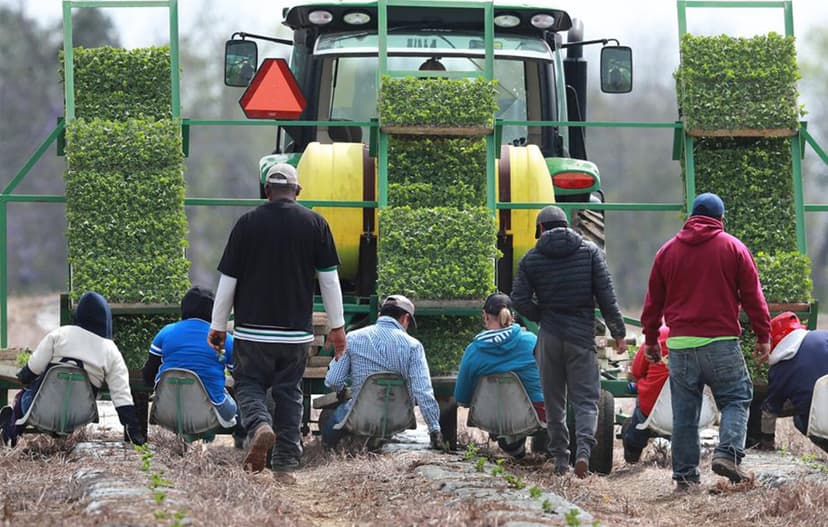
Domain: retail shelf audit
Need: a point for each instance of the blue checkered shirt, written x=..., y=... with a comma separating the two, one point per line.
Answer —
x=386, y=346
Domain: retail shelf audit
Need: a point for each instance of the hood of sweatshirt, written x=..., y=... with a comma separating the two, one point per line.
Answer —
x=699, y=229
x=559, y=242
x=499, y=341
x=93, y=315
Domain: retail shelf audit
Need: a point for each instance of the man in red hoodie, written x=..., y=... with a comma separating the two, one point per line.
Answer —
x=699, y=281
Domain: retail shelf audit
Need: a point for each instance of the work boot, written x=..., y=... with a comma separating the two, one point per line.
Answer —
x=581, y=467
x=632, y=455
x=261, y=441
x=685, y=485
x=517, y=449
x=726, y=467
x=284, y=464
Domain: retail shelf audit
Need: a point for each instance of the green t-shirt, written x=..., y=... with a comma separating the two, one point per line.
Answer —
x=680, y=343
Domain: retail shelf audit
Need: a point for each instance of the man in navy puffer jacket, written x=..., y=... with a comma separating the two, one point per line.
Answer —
x=558, y=284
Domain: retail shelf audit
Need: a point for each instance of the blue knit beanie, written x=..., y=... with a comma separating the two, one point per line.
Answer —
x=708, y=204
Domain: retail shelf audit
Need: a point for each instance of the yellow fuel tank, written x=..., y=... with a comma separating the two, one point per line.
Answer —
x=523, y=177
x=335, y=172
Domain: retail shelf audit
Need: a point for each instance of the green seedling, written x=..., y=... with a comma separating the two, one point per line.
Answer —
x=159, y=496
x=480, y=464
x=535, y=492
x=471, y=452
x=514, y=481
x=571, y=518
x=547, y=506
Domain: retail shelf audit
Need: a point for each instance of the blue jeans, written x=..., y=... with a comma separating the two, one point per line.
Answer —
x=331, y=436
x=721, y=366
x=635, y=439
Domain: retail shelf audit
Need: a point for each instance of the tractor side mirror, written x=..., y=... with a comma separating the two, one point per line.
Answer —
x=616, y=69
x=241, y=57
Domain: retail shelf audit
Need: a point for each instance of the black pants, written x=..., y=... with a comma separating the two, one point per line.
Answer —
x=258, y=366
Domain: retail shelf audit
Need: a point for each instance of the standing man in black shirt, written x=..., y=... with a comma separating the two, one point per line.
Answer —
x=267, y=273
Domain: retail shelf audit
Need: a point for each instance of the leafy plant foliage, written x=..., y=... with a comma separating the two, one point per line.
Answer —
x=436, y=253
x=445, y=339
x=727, y=83
x=125, y=189
x=755, y=180
x=437, y=102
x=117, y=84
x=785, y=277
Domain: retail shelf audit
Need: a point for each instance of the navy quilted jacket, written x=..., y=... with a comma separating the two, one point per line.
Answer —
x=558, y=284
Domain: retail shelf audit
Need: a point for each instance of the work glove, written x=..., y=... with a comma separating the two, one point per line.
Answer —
x=437, y=442
x=128, y=418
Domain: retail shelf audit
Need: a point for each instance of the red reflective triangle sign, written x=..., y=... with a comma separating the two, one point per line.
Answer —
x=273, y=93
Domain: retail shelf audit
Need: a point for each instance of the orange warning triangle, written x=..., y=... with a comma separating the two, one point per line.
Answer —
x=273, y=93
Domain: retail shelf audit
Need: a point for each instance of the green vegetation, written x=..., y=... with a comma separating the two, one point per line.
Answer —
x=445, y=339
x=117, y=84
x=437, y=102
x=786, y=277
x=127, y=229
x=728, y=83
x=437, y=253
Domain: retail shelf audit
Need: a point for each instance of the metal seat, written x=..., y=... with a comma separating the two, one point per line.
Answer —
x=382, y=408
x=818, y=418
x=501, y=406
x=660, y=419
x=181, y=404
x=65, y=401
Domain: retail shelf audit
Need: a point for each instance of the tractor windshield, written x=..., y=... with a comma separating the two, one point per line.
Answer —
x=354, y=97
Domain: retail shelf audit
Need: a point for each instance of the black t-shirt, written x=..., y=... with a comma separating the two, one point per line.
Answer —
x=274, y=252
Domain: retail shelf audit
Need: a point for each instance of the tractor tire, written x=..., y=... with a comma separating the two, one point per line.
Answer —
x=590, y=223
x=539, y=441
x=600, y=461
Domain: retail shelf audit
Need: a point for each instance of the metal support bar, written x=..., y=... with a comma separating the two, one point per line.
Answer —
x=798, y=196
x=689, y=173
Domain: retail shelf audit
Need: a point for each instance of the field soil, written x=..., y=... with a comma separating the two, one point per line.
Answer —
x=93, y=478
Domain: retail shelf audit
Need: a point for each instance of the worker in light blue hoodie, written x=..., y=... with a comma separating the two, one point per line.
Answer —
x=503, y=347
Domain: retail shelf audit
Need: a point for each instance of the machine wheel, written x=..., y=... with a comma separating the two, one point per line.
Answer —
x=590, y=223
x=539, y=442
x=600, y=461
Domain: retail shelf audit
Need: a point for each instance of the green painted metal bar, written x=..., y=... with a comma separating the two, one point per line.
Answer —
x=382, y=184
x=275, y=122
x=68, y=60
x=488, y=34
x=594, y=206
x=816, y=207
x=491, y=184
x=175, y=70
x=252, y=202
x=4, y=276
x=682, y=17
x=119, y=3
x=598, y=124
x=735, y=3
x=809, y=139
x=789, y=21
x=449, y=3
x=53, y=135
x=798, y=195
x=34, y=198
x=689, y=173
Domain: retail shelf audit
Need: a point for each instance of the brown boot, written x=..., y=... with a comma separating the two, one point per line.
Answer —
x=581, y=467
x=262, y=440
x=728, y=468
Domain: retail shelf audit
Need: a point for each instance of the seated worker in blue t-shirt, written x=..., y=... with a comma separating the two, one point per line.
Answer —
x=183, y=344
x=503, y=347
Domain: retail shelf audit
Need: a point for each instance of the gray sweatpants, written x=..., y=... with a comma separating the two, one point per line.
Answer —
x=568, y=368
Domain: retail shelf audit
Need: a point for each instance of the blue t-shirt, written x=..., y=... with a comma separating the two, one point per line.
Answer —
x=183, y=344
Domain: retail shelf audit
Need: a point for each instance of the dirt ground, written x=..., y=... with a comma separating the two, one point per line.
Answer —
x=49, y=482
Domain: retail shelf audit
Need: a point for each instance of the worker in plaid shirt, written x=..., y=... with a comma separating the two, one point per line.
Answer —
x=384, y=346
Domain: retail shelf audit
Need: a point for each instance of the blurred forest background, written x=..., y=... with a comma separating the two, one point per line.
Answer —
x=636, y=164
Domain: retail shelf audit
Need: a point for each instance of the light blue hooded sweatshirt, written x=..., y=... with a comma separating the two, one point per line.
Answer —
x=499, y=351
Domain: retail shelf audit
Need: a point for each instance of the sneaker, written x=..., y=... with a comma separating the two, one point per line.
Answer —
x=262, y=440
x=561, y=470
x=631, y=455
x=581, y=467
x=728, y=468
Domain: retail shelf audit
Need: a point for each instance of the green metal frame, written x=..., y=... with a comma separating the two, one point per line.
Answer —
x=379, y=144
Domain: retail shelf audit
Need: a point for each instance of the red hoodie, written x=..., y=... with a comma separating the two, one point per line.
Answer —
x=698, y=282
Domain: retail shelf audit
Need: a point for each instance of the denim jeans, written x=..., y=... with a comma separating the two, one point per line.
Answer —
x=331, y=436
x=635, y=439
x=258, y=366
x=721, y=366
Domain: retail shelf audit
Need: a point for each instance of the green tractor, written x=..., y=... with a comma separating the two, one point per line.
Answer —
x=341, y=51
